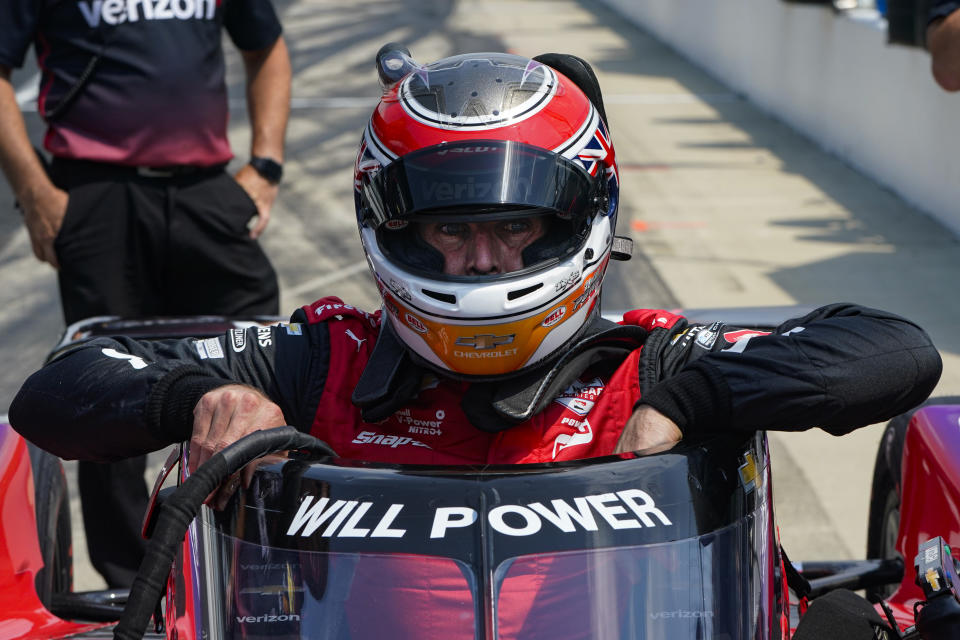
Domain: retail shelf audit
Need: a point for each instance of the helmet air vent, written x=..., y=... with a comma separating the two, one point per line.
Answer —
x=442, y=297
x=519, y=293
x=393, y=63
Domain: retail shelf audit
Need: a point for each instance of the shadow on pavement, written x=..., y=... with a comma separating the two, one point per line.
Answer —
x=901, y=258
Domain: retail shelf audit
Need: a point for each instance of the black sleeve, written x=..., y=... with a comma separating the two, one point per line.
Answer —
x=18, y=23
x=251, y=24
x=840, y=367
x=110, y=398
x=942, y=8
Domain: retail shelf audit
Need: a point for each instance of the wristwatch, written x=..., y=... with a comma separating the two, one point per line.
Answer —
x=270, y=169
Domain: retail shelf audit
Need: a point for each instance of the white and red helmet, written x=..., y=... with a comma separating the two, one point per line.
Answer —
x=476, y=137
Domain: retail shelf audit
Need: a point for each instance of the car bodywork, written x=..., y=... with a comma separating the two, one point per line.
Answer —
x=929, y=497
x=22, y=615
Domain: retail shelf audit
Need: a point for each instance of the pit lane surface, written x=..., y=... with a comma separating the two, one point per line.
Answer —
x=727, y=207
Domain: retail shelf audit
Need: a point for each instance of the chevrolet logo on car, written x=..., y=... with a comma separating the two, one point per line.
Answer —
x=485, y=341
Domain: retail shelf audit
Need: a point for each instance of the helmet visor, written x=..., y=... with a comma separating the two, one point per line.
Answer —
x=478, y=179
x=505, y=243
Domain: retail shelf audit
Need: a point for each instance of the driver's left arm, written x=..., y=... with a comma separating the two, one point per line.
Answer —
x=839, y=368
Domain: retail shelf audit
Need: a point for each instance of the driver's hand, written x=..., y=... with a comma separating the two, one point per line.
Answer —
x=43, y=215
x=648, y=428
x=226, y=414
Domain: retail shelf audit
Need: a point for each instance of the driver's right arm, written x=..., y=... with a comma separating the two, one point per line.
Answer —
x=943, y=42
x=43, y=204
x=107, y=399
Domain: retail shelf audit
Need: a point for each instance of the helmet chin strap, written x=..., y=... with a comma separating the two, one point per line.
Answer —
x=392, y=377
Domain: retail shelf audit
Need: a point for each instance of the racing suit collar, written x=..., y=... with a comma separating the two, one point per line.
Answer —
x=391, y=378
x=496, y=406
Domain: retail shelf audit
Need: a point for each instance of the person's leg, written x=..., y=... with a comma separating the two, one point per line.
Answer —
x=110, y=249
x=106, y=250
x=214, y=267
x=113, y=499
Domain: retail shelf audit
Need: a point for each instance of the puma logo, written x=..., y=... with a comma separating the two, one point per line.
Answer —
x=135, y=361
x=359, y=341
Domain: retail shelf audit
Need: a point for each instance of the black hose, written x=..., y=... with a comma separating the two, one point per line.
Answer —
x=96, y=606
x=179, y=510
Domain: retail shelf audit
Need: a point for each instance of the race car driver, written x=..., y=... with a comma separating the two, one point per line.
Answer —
x=486, y=191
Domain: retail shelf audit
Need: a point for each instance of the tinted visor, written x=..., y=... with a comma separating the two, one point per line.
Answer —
x=525, y=241
x=478, y=177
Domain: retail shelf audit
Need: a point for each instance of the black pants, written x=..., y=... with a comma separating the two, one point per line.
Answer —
x=136, y=246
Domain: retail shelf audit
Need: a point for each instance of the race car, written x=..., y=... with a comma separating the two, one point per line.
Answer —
x=673, y=544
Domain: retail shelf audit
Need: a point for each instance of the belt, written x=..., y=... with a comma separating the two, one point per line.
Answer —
x=172, y=171
x=92, y=168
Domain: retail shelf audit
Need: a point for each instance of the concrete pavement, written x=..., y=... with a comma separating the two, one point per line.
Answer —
x=728, y=206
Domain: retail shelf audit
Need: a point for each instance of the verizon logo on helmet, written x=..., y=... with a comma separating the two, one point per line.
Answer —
x=471, y=188
x=120, y=11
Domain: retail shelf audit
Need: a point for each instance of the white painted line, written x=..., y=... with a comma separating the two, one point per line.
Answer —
x=318, y=103
x=324, y=280
x=670, y=98
x=4, y=419
x=333, y=103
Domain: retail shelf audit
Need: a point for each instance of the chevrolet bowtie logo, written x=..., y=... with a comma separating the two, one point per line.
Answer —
x=485, y=341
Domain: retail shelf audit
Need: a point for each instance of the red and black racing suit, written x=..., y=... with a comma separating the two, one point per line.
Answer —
x=840, y=367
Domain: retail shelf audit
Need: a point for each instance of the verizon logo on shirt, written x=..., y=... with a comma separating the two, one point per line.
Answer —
x=119, y=11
